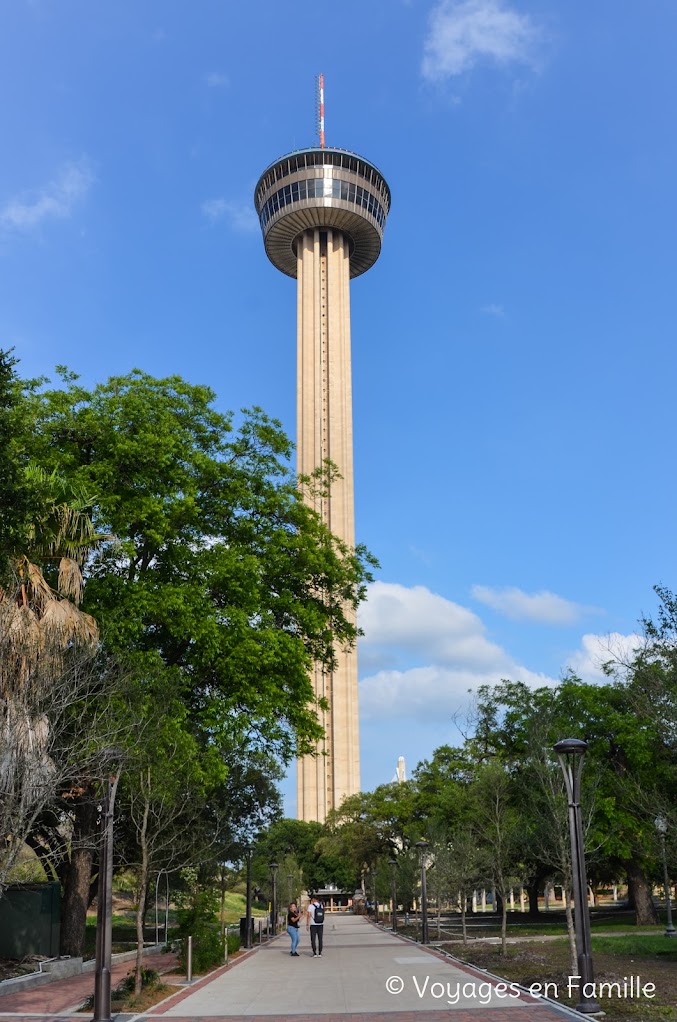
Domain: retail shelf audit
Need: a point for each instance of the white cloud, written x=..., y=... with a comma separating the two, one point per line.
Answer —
x=421, y=623
x=56, y=200
x=432, y=693
x=545, y=607
x=404, y=625
x=463, y=32
x=596, y=650
x=216, y=80
x=240, y=215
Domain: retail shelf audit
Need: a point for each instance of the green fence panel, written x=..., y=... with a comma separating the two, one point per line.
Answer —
x=30, y=915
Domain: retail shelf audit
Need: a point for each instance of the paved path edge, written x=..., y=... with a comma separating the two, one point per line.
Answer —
x=180, y=995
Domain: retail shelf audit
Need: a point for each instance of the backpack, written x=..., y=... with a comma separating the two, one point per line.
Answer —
x=318, y=918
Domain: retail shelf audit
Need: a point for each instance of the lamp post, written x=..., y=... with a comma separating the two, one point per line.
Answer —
x=393, y=894
x=104, y=907
x=157, y=892
x=290, y=880
x=273, y=867
x=248, y=910
x=422, y=849
x=571, y=752
x=373, y=884
x=662, y=828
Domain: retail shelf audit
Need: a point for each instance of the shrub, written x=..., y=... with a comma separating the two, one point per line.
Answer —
x=196, y=920
x=149, y=980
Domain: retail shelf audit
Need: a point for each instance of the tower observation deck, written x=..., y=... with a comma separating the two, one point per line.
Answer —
x=322, y=214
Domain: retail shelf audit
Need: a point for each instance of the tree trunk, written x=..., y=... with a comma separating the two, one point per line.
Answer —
x=76, y=897
x=45, y=857
x=142, y=889
x=150, y=904
x=504, y=927
x=639, y=894
x=532, y=891
x=571, y=932
x=138, y=968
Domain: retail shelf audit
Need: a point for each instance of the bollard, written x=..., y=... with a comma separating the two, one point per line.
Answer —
x=189, y=969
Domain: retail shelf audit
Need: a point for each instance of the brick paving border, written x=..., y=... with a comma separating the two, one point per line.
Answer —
x=59, y=998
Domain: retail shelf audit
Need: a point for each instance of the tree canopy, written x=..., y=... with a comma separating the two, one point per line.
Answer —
x=180, y=536
x=215, y=567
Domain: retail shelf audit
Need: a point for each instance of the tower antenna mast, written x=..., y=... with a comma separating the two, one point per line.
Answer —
x=320, y=109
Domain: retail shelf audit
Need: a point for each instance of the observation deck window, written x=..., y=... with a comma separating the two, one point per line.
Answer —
x=318, y=188
x=323, y=161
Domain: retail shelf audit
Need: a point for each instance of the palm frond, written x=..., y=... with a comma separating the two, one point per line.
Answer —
x=70, y=582
x=62, y=623
x=65, y=526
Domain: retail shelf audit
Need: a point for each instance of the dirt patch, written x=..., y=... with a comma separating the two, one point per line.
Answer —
x=131, y=1004
x=10, y=968
x=549, y=963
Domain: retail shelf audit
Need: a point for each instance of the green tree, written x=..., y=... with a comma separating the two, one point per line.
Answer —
x=441, y=786
x=501, y=833
x=628, y=753
x=219, y=570
x=165, y=783
x=48, y=644
x=370, y=825
x=440, y=877
x=300, y=842
x=467, y=867
x=212, y=569
x=16, y=497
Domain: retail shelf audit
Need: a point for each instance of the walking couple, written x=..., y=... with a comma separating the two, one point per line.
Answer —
x=314, y=923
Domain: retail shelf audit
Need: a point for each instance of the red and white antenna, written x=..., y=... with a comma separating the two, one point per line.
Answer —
x=320, y=109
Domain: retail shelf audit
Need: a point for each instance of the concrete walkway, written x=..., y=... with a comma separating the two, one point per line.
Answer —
x=365, y=973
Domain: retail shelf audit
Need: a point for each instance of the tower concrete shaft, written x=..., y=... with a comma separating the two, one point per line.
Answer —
x=322, y=214
x=325, y=431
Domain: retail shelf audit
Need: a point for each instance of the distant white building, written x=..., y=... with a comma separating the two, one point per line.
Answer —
x=400, y=773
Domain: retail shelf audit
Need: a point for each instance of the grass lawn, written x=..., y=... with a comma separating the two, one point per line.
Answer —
x=124, y=921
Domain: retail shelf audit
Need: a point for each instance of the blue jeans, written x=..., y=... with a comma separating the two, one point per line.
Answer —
x=293, y=932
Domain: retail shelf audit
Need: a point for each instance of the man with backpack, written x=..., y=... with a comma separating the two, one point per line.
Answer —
x=315, y=922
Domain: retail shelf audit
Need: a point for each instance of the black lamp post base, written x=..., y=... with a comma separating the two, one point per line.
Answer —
x=589, y=1008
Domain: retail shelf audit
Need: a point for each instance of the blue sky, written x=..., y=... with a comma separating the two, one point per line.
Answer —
x=513, y=348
